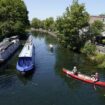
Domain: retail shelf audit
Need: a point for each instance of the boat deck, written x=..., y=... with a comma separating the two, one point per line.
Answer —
x=27, y=49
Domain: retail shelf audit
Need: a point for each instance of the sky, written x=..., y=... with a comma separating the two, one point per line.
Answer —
x=43, y=9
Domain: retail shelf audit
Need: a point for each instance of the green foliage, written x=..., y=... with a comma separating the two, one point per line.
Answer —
x=96, y=28
x=60, y=24
x=89, y=49
x=48, y=23
x=100, y=60
x=13, y=17
x=36, y=23
x=102, y=65
x=103, y=41
x=73, y=25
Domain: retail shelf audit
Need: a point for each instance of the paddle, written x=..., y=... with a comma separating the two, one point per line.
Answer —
x=94, y=84
x=93, y=77
x=96, y=79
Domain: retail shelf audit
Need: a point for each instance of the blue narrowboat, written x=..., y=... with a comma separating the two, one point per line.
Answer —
x=25, y=61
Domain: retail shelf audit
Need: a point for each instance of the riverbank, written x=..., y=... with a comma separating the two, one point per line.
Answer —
x=54, y=34
x=98, y=59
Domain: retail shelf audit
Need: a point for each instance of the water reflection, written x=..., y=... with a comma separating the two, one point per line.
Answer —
x=47, y=85
x=26, y=78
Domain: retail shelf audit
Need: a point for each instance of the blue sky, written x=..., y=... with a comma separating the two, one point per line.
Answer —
x=53, y=8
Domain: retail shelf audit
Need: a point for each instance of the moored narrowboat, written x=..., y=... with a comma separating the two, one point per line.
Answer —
x=7, y=47
x=25, y=61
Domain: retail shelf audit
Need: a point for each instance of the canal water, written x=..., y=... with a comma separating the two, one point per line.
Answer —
x=48, y=85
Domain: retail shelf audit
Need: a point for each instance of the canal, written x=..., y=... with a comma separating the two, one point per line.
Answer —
x=48, y=85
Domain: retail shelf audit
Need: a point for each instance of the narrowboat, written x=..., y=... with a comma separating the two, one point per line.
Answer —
x=25, y=60
x=7, y=47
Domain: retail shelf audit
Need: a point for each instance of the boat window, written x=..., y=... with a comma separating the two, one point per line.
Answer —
x=25, y=61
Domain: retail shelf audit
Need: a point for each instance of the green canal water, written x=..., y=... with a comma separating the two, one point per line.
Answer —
x=48, y=85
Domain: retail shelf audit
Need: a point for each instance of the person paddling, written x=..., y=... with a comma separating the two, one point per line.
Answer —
x=96, y=76
x=75, y=70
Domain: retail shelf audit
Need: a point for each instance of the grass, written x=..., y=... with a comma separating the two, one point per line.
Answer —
x=99, y=59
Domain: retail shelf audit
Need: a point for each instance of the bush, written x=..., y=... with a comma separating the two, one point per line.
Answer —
x=89, y=49
x=103, y=41
x=100, y=60
x=102, y=65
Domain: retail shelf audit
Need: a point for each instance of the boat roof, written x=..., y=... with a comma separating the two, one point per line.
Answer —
x=5, y=44
x=27, y=49
x=14, y=37
x=7, y=41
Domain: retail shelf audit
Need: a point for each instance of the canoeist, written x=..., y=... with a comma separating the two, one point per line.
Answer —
x=96, y=77
x=75, y=70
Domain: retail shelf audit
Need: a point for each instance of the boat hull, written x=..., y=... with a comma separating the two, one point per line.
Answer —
x=24, y=69
x=24, y=64
x=84, y=78
x=7, y=52
x=5, y=57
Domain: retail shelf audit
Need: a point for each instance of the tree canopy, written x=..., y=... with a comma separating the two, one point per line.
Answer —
x=36, y=23
x=48, y=23
x=73, y=26
x=97, y=28
x=13, y=17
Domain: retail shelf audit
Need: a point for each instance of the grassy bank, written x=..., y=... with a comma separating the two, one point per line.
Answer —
x=98, y=59
x=91, y=51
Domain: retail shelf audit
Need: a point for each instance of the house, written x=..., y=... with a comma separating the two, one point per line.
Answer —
x=94, y=18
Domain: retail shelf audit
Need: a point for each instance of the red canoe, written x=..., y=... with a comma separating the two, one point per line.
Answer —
x=84, y=78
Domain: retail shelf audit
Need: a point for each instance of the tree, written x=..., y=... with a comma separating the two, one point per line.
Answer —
x=13, y=17
x=75, y=26
x=96, y=28
x=36, y=23
x=49, y=22
x=60, y=24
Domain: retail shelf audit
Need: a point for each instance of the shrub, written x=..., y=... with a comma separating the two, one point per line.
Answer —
x=103, y=41
x=102, y=65
x=89, y=49
x=99, y=58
